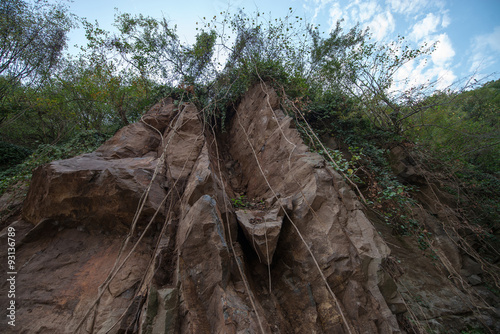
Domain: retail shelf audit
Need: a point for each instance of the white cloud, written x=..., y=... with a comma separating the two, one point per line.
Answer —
x=491, y=41
x=362, y=11
x=407, y=6
x=446, y=78
x=382, y=25
x=444, y=52
x=354, y=14
x=481, y=61
x=431, y=69
x=427, y=19
x=335, y=15
x=443, y=76
x=486, y=50
x=367, y=10
x=425, y=27
x=412, y=7
x=318, y=5
x=420, y=72
x=403, y=75
x=446, y=20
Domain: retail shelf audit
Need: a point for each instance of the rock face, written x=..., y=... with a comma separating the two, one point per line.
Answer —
x=145, y=235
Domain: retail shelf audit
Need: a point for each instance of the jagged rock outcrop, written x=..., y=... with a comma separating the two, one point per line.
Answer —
x=263, y=229
x=141, y=236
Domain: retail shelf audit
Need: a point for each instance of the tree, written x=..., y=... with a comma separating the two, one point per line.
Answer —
x=32, y=38
x=152, y=49
x=462, y=126
x=366, y=70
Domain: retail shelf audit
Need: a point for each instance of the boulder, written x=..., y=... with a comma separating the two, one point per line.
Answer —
x=95, y=192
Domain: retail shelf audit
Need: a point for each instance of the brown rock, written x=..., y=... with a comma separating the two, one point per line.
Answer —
x=94, y=192
x=133, y=141
x=344, y=243
x=160, y=116
x=262, y=229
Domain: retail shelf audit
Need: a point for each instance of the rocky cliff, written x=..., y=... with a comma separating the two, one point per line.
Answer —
x=172, y=227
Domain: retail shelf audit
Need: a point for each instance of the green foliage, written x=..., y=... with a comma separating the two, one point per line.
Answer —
x=462, y=127
x=347, y=167
x=199, y=56
x=32, y=38
x=388, y=196
x=257, y=49
x=99, y=94
x=152, y=47
x=363, y=159
x=88, y=93
x=83, y=142
x=285, y=51
x=352, y=64
x=11, y=155
x=479, y=202
x=239, y=202
x=228, y=89
x=243, y=202
x=37, y=119
x=464, y=132
x=333, y=110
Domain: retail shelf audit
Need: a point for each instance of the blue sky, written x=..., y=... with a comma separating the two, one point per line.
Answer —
x=468, y=31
